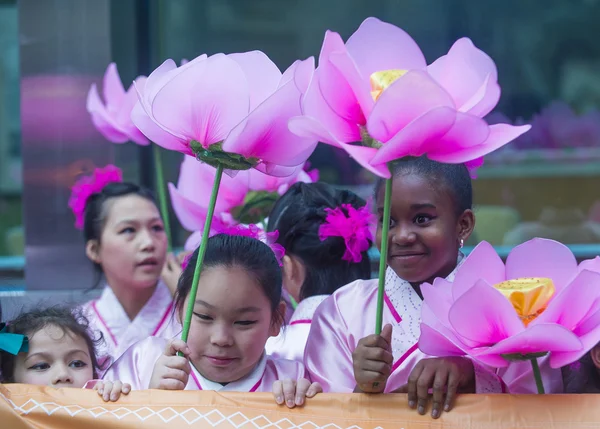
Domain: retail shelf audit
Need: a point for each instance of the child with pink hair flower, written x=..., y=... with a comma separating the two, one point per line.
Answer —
x=125, y=240
x=431, y=218
x=326, y=234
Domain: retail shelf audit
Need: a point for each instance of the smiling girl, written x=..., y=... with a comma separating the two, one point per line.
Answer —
x=431, y=218
x=237, y=308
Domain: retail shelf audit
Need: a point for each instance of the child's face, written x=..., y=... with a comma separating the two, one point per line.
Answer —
x=56, y=358
x=133, y=244
x=424, y=232
x=230, y=325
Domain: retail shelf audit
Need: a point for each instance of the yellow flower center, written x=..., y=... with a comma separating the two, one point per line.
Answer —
x=382, y=79
x=528, y=296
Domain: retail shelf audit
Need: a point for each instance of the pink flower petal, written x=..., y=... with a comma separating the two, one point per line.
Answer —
x=148, y=88
x=378, y=45
x=165, y=72
x=308, y=127
x=482, y=263
x=275, y=170
x=130, y=99
x=408, y=98
x=438, y=298
x=112, y=87
x=467, y=131
x=470, y=76
x=485, y=99
x=205, y=101
x=261, y=73
x=191, y=215
x=196, y=180
x=590, y=265
x=482, y=316
x=124, y=115
x=571, y=304
x=542, y=258
x=416, y=137
x=434, y=343
x=101, y=119
x=361, y=86
x=259, y=181
x=500, y=134
x=363, y=155
x=193, y=241
x=589, y=334
x=535, y=339
x=303, y=72
x=336, y=91
x=321, y=121
x=265, y=133
x=155, y=133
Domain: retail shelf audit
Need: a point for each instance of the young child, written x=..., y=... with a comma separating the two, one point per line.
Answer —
x=126, y=241
x=431, y=218
x=60, y=353
x=326, y=236
x=237, y=308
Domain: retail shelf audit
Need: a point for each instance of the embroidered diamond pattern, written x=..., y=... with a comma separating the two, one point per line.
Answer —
x=308, y=425
x=191, y=415
x=167, y=414
x=215, y=417
x=238, y=419
x=286, y=424
x=144, y=413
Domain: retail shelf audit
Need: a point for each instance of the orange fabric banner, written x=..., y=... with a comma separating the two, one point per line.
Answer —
x=28, y=407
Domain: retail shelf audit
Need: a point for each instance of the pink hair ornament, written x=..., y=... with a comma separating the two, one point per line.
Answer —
x=269, y=238
x=87, y=186
x=186, y=260
x=353, y=225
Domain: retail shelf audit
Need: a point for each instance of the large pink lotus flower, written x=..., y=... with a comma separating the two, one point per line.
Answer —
x=113, y=117
x=231, y=110
x=378, y=90
x=191, y=197
x=539, y=302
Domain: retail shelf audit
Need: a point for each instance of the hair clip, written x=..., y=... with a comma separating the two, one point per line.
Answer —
x=353, y=225
x=87, y=186
x=12, y=343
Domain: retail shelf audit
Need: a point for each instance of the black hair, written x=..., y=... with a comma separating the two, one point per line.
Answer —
x=96, y=212
x=68, y=320
x=252, y=255
x=297, y=216
x=454, y=177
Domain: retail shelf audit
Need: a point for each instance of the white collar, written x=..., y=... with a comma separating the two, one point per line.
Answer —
x=249, y=383
x=306, y=308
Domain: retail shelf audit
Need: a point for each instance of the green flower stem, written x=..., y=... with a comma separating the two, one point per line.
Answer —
x=201, y=252
x=538, y=376
x=162, y=195
x=385, y=227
